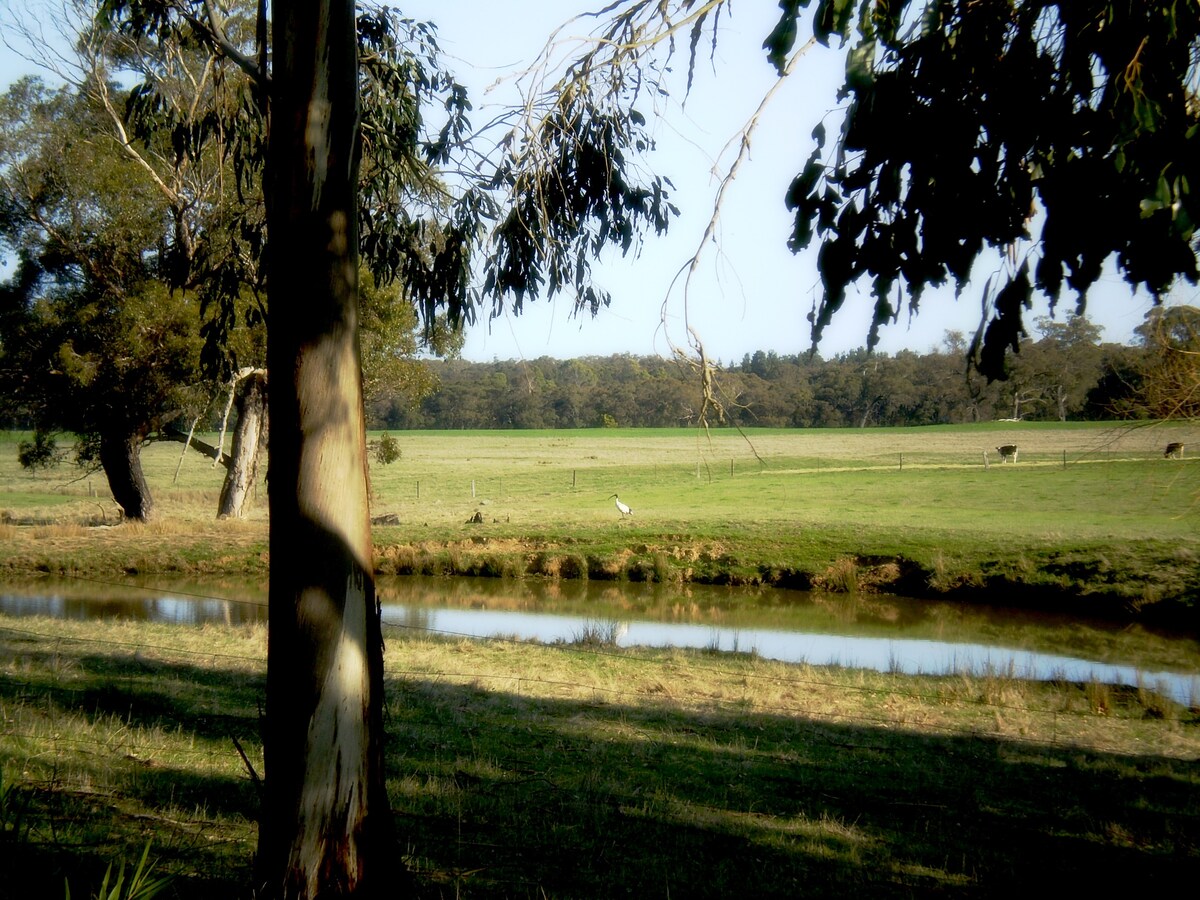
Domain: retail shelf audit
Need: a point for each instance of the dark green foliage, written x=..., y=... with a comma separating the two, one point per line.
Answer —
x=40, y=453
x=573, y=199
x=992, y=124
x=1064, y=374
x=1168, y=376
x=91, y=341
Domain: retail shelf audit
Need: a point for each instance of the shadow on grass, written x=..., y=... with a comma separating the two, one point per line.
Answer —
x=502, y=795
x=505, y=796
x=108, y=750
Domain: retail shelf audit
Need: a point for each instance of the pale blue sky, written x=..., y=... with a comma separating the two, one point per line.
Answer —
x=750, y=292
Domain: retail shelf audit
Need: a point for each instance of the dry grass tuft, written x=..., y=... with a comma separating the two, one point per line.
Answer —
x=841, y=577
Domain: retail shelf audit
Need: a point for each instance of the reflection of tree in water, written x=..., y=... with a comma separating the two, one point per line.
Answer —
x=84, y=605
x=408, y=603
x=407, y=617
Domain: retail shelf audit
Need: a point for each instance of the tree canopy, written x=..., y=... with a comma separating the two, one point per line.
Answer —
x=91, y=339
x=1060, y=133
x=1063, y=372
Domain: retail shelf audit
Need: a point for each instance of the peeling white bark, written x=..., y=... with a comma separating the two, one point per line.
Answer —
x=334, y=792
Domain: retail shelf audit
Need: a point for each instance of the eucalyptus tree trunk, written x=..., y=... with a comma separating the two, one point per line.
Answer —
x=326, y=829
x=249, y=444
x=121, y=459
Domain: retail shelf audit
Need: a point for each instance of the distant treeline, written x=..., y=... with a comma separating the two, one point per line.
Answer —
x=1067, y=374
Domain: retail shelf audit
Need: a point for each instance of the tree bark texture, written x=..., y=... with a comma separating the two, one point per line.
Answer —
x=121, y=458
x=249, y=443
x=326, y=829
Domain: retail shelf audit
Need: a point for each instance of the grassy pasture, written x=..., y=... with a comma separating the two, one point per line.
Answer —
x=1091, y=511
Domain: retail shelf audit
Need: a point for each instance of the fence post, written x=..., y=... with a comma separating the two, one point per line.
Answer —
x=901, y=462
x=418, y=489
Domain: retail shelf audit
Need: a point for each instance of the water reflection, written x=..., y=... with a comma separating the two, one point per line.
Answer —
x=82, y=600
x=900, y=655
x=875, y=632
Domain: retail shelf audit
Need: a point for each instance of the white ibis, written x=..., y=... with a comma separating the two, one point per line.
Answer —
x=621, y=507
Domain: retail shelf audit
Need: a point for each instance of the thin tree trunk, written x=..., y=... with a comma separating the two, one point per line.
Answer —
x=249, y=441
x=121, y=458
x=326, y=829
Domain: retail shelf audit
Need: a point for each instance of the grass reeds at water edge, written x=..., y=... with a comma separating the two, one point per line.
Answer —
x=582, y=770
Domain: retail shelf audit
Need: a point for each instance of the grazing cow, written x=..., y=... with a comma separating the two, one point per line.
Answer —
x=1174, y=450
x=1008, y=453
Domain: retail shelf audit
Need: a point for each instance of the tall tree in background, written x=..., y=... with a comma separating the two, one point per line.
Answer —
x=1169, y=383
x=1074, y=356
x=91, y=340
x=167, y=149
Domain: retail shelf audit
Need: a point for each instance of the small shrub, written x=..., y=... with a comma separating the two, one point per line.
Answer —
x=40, y=453
x=662, y=568
x=572, y=566
x=1099, y=697
x=400, y=560
x=12, y=810
x=387, y=451
x=1154, y=702
x=500, y=567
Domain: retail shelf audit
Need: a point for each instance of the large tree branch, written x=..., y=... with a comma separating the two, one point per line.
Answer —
x=214, y=31
x=171, y=433
x=100, y=92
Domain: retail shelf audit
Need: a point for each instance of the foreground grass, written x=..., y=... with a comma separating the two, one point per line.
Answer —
x=521, y=770
x=1091, y=518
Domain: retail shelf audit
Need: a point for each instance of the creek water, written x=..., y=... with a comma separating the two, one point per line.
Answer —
x=880, y=632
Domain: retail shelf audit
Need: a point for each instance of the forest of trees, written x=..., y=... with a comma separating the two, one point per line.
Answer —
x=1065, y=373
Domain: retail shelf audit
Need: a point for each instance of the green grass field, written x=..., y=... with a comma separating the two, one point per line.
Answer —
x=1090, y=512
